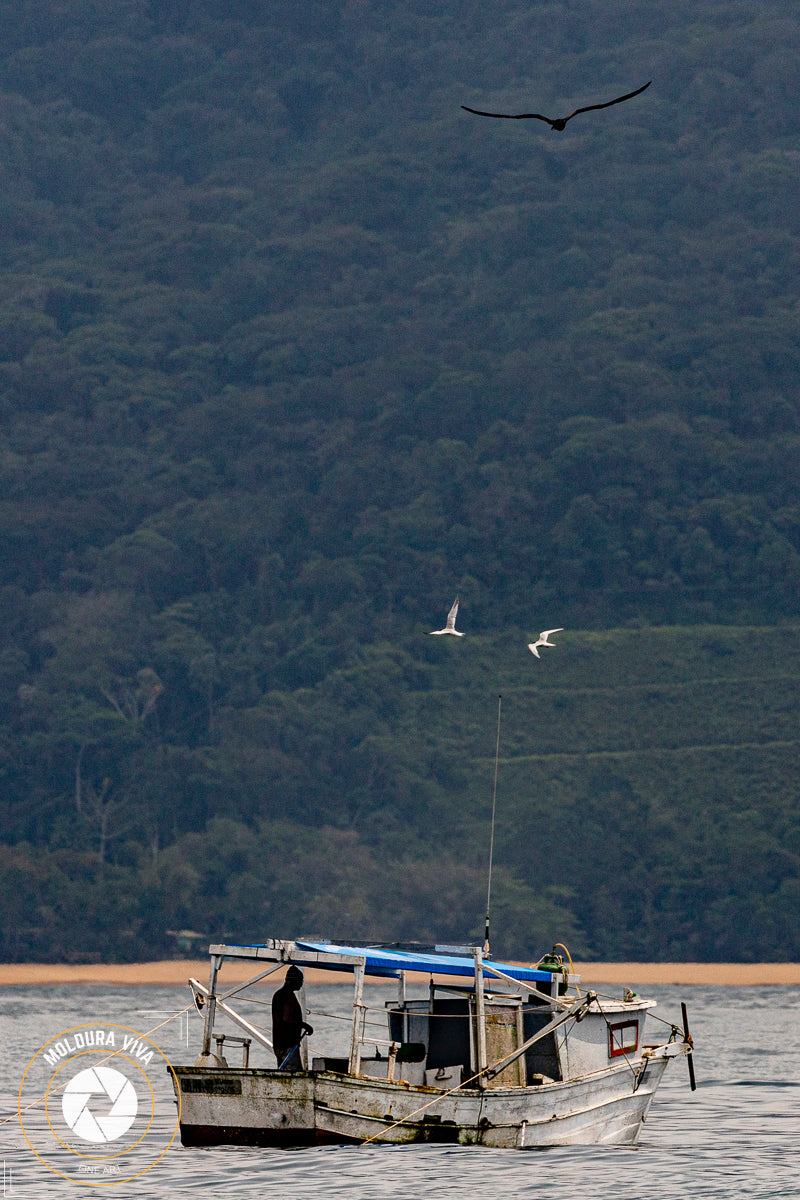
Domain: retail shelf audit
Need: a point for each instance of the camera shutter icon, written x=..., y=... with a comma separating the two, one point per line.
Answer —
x=86, y=1100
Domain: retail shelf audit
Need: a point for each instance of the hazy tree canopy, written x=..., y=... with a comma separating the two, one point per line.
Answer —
x=292, y=352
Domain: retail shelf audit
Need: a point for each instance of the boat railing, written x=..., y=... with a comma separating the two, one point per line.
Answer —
x=221, y=1038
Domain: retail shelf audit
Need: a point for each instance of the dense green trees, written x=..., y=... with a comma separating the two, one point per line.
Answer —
x=291, y=351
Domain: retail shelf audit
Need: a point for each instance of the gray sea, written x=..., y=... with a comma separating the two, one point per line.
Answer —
x=738, y=1135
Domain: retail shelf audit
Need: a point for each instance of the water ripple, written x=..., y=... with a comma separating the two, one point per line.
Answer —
x=735, y=1137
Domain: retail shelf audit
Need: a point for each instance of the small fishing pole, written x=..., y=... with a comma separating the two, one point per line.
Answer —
x=491, y=838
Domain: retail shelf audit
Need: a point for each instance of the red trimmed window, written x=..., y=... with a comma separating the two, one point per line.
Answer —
x=623, y=1038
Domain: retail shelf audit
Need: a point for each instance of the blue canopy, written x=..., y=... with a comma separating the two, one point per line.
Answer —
x=390, y=962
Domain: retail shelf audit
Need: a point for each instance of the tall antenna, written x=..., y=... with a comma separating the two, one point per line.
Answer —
x=491, y=839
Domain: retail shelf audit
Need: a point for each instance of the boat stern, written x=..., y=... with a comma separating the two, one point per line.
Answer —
x=244, y=1107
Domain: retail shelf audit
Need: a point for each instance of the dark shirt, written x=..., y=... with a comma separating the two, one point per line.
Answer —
x=287, y=1028
x=287, y=1019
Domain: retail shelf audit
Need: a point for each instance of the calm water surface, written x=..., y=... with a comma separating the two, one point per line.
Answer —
x=738, y=1135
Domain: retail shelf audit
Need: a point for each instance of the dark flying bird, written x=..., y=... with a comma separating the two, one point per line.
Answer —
x=559, y=122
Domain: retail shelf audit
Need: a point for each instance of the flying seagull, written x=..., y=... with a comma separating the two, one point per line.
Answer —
x=559, y=122
x=450, y=627
x=542, y=640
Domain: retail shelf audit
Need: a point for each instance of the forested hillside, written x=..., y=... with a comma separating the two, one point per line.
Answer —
x=292, y=351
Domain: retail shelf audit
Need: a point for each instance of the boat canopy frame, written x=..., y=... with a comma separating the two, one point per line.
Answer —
x=386, y=961
x=382, y=962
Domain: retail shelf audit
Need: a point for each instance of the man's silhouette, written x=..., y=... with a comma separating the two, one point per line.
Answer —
x=288, y=1026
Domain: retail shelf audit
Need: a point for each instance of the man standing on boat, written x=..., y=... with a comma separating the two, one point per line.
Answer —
x=288, y=1026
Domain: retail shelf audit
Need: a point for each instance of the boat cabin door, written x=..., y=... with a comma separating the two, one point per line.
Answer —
x=504, y=1035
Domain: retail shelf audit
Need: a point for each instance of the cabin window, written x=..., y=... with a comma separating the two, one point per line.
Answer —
x=623, y=1038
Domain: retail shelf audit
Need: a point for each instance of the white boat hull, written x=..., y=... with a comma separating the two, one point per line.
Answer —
x=262, y=1107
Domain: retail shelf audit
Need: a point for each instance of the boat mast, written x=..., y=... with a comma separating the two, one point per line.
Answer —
x=354, y=1061
x=480, y=1018
x=211, y=1003
x=491, y=838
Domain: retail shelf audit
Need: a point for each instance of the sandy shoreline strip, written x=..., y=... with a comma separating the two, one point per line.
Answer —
x=176, y=972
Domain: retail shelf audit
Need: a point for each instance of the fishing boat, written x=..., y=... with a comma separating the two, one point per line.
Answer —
x=483, y=1053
